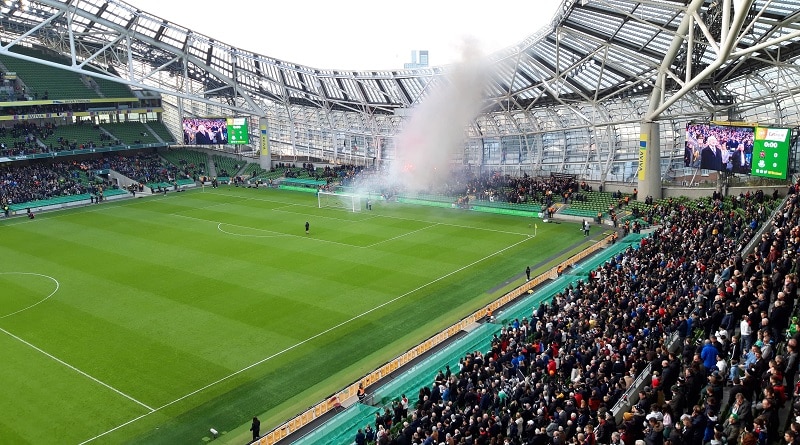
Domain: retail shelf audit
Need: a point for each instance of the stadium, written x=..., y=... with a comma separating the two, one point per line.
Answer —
x=205, y=244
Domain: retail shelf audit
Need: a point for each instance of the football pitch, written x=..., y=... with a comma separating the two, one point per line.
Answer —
x=152, y=320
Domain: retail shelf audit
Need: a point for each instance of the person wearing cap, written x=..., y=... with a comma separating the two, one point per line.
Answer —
x=654, y=431
x=678, y=401
x=732, y=428
x=736, y=387
x=687, y=433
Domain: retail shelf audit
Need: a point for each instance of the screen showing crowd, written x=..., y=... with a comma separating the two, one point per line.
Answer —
x=719, y=147
x=205, y=131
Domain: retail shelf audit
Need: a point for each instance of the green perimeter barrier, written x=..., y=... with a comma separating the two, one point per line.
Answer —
x=500, y=208
x=297, y=189
x=63, y=200
x=312, y=183
x=342, y=427
x=506, y=211
x=425, y=202
x=423, y=373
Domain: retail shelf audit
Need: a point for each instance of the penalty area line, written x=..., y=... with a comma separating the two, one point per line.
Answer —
x=62, y=362
x=400, y=236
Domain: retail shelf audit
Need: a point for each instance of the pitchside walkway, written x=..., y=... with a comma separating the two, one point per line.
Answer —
x=341, y=428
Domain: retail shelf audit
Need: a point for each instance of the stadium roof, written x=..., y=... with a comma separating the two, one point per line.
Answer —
x=593, y=50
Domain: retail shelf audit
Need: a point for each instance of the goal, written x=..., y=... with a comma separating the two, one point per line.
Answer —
x=347, y=201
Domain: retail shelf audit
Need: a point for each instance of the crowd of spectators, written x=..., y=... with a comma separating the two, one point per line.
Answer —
x=19, y=184
x=22, y=138
x=465, y=186
x=29, y=137
x=344, y=173
x=685, y=305
x=142, y=167
x=688, y=305
x=520, y=189
x=188, y=169
x=45, y=180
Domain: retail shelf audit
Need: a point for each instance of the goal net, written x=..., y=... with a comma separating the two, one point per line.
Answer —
x=347, y=201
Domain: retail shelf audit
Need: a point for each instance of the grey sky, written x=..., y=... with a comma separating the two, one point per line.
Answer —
x=359, y=34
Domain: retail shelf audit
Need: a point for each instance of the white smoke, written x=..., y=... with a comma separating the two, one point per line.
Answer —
x=436, y=129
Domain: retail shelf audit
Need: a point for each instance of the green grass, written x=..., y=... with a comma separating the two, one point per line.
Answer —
x=151, y=320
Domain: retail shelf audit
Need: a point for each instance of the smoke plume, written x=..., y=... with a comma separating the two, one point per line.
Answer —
x=436, y=129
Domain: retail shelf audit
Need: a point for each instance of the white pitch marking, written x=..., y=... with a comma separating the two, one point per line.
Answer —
x=274, y=234
x=58, y=285
x=385, y=216
x=326, y=331
x=96, y=380
x=400, y=236
x=279, y=233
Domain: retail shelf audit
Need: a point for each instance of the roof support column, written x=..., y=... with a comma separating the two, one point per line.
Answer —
x=265, y=152
x=649, y=174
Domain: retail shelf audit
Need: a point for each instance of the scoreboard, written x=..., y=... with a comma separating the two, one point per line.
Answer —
x=771, y=152
x=237, y=130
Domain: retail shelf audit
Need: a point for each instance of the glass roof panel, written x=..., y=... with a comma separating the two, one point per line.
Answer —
x=117, y=14
x=603, y=24
x=639, y=34
x=146, y=25
x=332, y=90
x=291, y=79
x=351, y=90
x=372, y=91
x=412, y=85
x=174, y=35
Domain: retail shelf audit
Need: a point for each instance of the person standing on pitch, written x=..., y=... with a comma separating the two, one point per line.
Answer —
x=256, y=428
x=528, y=273
x=307, y=227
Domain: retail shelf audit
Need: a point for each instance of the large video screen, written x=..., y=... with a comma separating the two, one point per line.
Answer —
x=772, y=152
x=205, y=131
x=237, y=130
x=719, y=147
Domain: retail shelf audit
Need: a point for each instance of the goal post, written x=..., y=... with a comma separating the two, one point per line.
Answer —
x=348, y=201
